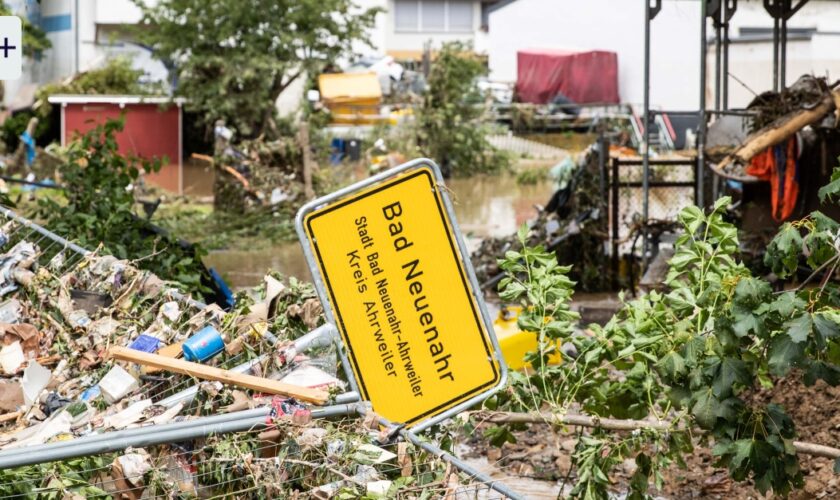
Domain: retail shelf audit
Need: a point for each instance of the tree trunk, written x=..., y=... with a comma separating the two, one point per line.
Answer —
x=308, y=163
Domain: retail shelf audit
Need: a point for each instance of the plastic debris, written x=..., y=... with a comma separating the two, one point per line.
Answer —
x=35, y=379
x=171, y=310
x=128, y=416
x=11, y=358
x=311, y=376
x=145, y=343
x=371, y=454
x=116, y=384
x=55, y=402
x=128, y=471
x=10, y=311
x=205, y=344
x=91, y=393
x=379, y=488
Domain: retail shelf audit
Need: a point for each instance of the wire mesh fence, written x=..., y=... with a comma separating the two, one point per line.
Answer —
x=160, y=440
x=671, y=186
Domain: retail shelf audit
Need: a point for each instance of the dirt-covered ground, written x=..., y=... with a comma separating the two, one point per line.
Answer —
x=545, y=456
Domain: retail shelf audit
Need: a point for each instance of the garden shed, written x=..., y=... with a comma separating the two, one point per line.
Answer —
x=153, y=129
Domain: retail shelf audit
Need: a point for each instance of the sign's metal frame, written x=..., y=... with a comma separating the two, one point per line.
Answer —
x=320, y=287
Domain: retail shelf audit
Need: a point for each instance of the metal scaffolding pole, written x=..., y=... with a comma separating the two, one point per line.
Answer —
x=729, y=8
x=456, y=462
x=701, y=131
x=783, y=50
x=717, y=19
x=155, y=435
x=650, y=14
x=781, y=11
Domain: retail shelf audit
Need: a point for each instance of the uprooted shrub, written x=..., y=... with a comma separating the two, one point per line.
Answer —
x=692, y=356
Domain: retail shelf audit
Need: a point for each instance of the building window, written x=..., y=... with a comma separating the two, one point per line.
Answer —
x=436, y=16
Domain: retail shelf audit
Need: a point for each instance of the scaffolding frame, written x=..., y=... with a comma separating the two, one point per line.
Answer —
x=721, y=13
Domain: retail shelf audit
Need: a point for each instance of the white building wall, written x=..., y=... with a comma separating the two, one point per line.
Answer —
x=403, y=41
x=751, y=62
x=118, y=11
x=377, y=34
x=618, y=26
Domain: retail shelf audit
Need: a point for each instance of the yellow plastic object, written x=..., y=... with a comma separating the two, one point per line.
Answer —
x=515, y=344
x=352, y=98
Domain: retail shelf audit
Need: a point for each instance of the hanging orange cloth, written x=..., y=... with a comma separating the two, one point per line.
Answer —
x=779, y=164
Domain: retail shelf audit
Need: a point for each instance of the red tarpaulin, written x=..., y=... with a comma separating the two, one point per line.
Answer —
x=583, y=77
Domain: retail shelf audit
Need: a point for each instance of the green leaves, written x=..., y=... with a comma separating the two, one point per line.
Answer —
x=701, y=347
x=827, y=325
x=831, y=191
x=730, y=371
x=672, y=364
x=782, y=254
x=498, y=436
x=705, y=409
x=799, y=329
x=784, y=354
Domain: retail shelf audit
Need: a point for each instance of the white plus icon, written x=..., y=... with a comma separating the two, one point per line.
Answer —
x=11, y=48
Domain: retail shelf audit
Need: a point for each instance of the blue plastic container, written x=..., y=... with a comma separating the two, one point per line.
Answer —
x=202, y=346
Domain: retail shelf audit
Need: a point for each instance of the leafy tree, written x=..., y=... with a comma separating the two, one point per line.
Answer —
x=450, y=129
x=695, y=355
x=233, y=58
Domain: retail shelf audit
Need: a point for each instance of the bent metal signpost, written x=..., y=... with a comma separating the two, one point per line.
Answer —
x=394, y=276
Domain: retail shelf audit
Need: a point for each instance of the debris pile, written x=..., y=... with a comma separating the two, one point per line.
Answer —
x=256, y=174
x=805, y=93
x=775, y=118
x=67, y=318
x=576, y=232
x=60, y=328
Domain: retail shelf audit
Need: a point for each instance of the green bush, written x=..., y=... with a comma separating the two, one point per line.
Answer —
x=451, y=131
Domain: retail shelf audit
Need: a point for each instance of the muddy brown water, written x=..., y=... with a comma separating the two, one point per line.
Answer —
x=484, y=206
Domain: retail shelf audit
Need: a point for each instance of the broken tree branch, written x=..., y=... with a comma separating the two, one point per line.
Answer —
x=613, y=424
x=779, y=131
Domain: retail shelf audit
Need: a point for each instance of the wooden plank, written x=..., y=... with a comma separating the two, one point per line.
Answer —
x=168, y=351
x=204, y=372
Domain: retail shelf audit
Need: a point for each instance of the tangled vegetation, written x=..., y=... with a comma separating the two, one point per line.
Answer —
x=690, y=358
x=98, y=209
x=450, y=129
x=235, y=58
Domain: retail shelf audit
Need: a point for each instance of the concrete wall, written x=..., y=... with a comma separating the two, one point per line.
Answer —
x=618, y=25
